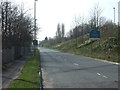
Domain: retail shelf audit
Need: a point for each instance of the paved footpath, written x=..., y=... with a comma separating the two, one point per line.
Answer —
x=13, y=71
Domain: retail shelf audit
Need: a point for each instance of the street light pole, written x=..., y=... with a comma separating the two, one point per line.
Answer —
x=114, y=15
x=34, y=41
x=35, y=19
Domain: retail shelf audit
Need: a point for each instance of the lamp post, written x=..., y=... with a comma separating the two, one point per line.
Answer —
x=35, y=19
x=114, y=15
x=34, y=37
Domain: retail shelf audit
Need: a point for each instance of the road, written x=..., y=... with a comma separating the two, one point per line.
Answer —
x=62, y=70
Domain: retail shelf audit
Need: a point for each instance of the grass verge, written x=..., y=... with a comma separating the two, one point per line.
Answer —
x=29, y=77
x=96, y=49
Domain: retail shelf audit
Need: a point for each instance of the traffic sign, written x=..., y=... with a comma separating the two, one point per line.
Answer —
x=95, y=34
x=35, y=42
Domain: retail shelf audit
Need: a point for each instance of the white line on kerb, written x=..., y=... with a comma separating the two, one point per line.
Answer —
x=76, y=64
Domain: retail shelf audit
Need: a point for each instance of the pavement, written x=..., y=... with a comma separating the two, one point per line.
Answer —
x=62, y=70
x=13, y=71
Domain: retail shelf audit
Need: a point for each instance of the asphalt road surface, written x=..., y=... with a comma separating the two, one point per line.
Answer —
x=62, y=70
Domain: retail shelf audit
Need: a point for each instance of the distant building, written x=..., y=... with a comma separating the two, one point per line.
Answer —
x=119, y=12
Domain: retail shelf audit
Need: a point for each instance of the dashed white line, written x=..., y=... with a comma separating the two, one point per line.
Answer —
x=102, y=75
x=76, y=64
x=98, y=73
x=105, y=77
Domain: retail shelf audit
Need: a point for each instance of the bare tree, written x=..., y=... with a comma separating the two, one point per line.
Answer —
x=76, y=23
x=78, y=27
x=58, y=33
x=95, y=14
x=102, y=21
x=16, y=26
x=82, y=31
x=63, y=30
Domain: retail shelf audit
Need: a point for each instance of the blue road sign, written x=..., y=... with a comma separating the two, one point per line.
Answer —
x=95, y=34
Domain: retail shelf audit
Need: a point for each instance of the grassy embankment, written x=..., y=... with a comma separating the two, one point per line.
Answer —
x=106, y=48
x=29, y=77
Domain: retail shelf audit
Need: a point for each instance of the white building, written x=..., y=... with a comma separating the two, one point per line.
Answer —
x=119, y=12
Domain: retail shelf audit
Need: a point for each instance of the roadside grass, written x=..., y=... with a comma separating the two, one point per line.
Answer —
x=93, y=50
x=106, y=48
x=84, y=51
x=29, y=77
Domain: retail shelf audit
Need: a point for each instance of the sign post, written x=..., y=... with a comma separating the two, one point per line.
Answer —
x=35, y=43
x=94, y=35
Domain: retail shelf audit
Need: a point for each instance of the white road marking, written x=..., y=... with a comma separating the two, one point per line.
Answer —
x=76, y=64
x=98, y=73
x=105, y=76
x=102, y=75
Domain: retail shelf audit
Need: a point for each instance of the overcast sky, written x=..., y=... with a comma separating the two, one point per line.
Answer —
x=52, y=12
